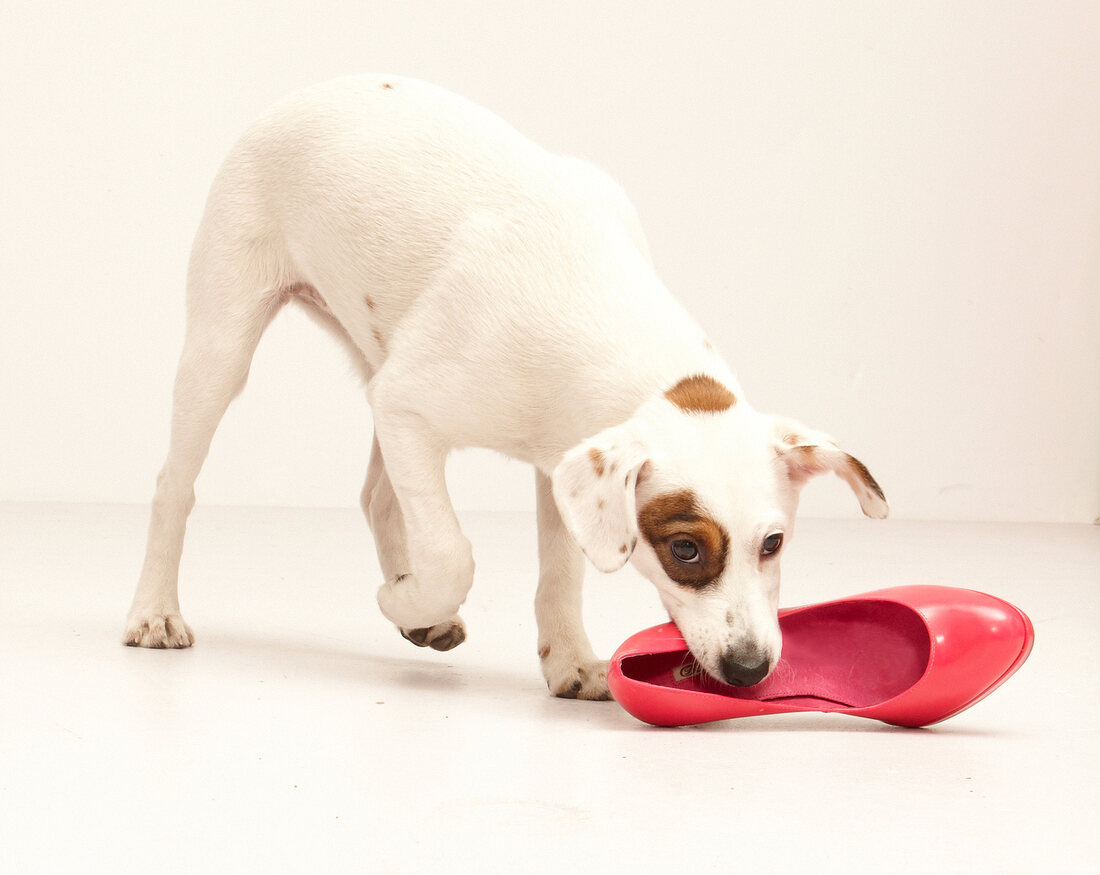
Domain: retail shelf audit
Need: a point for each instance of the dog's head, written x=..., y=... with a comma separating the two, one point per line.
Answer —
x=699, y=491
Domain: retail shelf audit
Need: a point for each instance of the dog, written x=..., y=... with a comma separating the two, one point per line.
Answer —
x=490, y=294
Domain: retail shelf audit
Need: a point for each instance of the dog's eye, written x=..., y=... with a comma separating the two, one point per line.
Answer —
x=771, y=544
x=685, y=550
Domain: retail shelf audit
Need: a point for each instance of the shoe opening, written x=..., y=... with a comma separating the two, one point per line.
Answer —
x=846, y=655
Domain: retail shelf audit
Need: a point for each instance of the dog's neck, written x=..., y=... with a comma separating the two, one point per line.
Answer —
x=655, y=346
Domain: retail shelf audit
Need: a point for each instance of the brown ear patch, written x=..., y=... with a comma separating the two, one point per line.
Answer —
x=808, y=460
x=701, y=394
x=860, y=470
x=678, y=516
x=803, y=457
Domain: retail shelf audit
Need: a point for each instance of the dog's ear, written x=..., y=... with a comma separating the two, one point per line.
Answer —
x=807, y=453
x=594, y=489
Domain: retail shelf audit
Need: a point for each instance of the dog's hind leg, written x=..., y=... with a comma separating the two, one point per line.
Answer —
x=387, y=524
x=231, y=299
x=570, y=666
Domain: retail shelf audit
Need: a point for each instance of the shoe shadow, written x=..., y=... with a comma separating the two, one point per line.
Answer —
x=823, y=723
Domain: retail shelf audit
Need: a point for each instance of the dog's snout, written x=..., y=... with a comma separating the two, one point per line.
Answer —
x=740, y=672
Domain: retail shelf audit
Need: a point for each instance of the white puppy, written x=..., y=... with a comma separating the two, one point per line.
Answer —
x=492, y=295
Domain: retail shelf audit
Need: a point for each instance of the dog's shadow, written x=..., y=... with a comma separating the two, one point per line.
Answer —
x=507, y=689
x=336, y=661
x=502, y=690
x=372, y=670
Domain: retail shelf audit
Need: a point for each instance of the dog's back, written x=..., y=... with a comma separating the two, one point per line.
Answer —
x=387, y=168
x=367, y=180
x=372, y=196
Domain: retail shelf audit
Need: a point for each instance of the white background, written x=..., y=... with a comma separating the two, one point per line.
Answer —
x=887, y=215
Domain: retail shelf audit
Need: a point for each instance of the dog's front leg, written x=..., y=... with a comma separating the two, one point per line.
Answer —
x=571, y=667
x=426, y=596
x=387, y=525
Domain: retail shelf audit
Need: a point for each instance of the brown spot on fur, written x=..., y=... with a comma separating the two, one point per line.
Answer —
x=544, y=651
x=371, y=303
x=600, y=503
x=625, y=548
x=597, y=461
x=378, y=338
x=387, y=86
x=679, y=516
x=701, y=394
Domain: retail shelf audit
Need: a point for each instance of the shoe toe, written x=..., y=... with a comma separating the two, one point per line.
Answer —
x=977, y=642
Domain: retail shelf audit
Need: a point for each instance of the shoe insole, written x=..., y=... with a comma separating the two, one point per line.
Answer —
x=847, y=655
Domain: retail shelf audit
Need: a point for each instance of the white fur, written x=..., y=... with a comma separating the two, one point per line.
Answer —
x=492, y=295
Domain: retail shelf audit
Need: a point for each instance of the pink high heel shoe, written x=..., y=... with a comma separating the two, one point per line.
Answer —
x=910, y=656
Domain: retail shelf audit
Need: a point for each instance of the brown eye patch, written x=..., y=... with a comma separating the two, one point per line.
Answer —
x=677, y=516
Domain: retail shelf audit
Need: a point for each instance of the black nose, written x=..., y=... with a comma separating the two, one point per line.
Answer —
x=741, y=674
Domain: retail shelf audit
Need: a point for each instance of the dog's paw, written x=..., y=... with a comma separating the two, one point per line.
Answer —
x=162, y=631
x=409, y=604
x=442, y=636
x=573, y=679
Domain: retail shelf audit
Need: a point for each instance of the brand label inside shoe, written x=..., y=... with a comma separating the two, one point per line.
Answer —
x=683, y=672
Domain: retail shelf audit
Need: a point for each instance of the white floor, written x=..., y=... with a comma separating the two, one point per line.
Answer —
x=302, y=733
